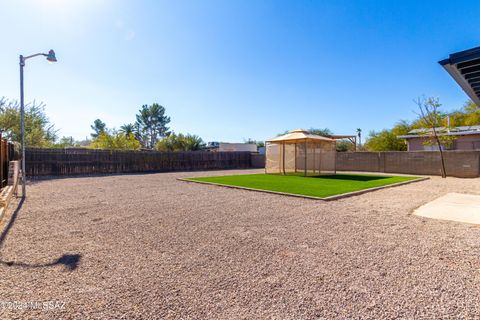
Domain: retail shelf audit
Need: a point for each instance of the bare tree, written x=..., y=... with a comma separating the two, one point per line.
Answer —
x=432, y=119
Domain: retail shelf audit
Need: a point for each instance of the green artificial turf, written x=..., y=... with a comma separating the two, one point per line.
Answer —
x=314, y=186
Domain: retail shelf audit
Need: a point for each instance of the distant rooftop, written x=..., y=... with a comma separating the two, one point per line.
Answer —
x=464, y=67
x=454, y=131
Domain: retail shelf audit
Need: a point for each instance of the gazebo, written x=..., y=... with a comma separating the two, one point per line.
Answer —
x=299, y=151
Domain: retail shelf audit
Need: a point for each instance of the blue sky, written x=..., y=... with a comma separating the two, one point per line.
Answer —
x=232, y=70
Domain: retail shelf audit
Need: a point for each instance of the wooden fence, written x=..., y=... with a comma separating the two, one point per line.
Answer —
x=6, y=155
x=258, y=160
x=80, y=161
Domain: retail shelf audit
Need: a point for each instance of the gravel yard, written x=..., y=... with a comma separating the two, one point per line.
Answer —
x=149, y=246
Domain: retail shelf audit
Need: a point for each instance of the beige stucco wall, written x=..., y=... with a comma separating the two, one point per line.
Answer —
x=469, y=142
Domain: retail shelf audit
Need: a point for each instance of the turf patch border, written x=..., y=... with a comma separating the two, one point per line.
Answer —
x=329, y=198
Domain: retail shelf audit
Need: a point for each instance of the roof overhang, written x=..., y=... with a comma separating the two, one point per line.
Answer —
x=464, y=67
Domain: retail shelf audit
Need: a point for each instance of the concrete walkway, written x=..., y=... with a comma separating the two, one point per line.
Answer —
x=453, y=206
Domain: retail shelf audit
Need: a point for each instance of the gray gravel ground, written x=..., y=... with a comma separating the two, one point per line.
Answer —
x=151, y=247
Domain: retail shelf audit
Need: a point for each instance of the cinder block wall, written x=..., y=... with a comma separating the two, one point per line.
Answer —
x=464, y=164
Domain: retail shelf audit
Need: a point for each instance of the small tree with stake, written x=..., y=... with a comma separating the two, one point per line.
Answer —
x=359, y=133
x=432, y=120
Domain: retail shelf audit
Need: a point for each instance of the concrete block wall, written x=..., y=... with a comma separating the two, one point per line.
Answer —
x=464, y=164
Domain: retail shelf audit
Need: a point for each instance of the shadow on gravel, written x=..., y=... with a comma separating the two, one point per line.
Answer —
x=11, y=222
x=70, y=261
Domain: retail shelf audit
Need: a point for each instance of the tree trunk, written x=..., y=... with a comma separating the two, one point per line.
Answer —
x=444, y=173
x=151, y=139
x=439, y=144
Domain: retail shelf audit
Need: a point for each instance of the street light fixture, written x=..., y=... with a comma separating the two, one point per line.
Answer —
x=50, y=58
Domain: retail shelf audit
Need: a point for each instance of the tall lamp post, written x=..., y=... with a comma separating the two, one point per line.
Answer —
x=51, y=58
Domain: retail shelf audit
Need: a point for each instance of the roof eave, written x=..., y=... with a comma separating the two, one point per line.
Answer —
x=457, y=76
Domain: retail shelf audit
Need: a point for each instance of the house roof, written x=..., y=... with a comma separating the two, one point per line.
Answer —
x=454, y=131
x=299, y=134
x=464, y=67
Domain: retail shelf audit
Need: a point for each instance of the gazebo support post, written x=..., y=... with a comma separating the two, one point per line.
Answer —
x=314, y=163
x=283, y=158
x=320, y=158
x=266, y=144
x=295, y=157
x=279, y=158
x=335, y=165
x=305, y=169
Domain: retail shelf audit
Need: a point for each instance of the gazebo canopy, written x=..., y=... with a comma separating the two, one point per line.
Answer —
x=299, y=135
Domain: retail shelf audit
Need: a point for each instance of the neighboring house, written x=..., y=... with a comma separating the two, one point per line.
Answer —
x=466, y=138
x=230, y=147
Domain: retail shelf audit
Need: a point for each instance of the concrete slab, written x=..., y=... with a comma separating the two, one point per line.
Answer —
x=453, y=206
